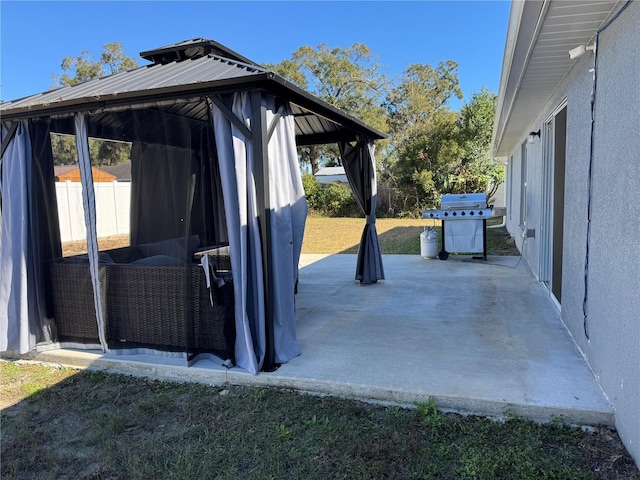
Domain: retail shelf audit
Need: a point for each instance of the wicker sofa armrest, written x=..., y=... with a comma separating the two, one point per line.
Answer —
x=218, y=254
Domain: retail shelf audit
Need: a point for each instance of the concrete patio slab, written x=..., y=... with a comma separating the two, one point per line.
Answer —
x=477, y=336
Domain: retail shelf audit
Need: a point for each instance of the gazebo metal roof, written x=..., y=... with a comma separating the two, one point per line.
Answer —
x=190, y=70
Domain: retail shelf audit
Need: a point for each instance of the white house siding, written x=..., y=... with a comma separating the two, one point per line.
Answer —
x=613, y=347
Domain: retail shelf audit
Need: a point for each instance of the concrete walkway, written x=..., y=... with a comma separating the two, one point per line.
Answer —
x=477, y=337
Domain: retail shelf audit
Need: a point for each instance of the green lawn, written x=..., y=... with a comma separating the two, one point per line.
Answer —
x=67, y=424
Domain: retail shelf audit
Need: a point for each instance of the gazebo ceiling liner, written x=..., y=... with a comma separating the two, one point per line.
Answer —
x=192, y=78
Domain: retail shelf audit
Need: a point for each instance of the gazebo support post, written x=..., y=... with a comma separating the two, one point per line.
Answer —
x=261, y=158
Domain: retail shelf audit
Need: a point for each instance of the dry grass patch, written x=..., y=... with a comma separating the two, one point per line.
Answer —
x=79, y=247
x=396, y=235
x=342, y=235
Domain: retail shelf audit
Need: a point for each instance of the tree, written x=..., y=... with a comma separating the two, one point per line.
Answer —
x=85, y=67
x=478, y=172
x=422, y=92
x=349, y=79
x=477, y=123
x=424, y=133
x=448, y=152
x=291, y=70
x=64, y=149
x=427, y=159
x=81, y=69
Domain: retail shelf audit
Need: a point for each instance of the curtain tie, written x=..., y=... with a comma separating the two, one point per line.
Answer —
x=370, y=219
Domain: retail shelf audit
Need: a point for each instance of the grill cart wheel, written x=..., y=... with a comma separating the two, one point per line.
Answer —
x=443, y=255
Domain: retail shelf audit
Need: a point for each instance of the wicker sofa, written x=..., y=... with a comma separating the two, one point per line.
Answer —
x=150, y=299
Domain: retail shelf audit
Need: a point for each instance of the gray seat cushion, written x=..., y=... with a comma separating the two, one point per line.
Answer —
x=159, y=260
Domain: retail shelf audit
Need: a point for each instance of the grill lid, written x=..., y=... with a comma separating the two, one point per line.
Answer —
x=453, y=201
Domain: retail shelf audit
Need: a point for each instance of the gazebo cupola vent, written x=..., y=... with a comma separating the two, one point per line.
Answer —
x=192, y=49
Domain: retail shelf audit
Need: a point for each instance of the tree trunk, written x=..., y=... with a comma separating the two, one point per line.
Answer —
x=313, y=158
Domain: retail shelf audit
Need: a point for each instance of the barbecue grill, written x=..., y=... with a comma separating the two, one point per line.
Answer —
x=464, y=223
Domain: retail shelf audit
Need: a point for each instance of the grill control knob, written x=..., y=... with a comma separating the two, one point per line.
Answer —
x=463, y=214
x=431, y=215
x=471, y=213
x=455, y=213
x=480, y=212
x=446, y=214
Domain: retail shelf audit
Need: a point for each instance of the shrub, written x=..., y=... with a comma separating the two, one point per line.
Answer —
x=332, y=199
x=336, y=199
x=311, y=190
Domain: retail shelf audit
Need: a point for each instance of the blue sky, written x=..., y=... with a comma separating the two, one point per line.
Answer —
x=35, y=36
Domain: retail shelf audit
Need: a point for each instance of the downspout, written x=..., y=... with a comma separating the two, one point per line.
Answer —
x=504, y=217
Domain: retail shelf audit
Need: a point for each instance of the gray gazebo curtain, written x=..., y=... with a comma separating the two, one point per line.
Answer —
x=162, y=191
x=235, y=155
x=163, y=174
x=29, y=235
x=359, y=165
x=16, y=332
x=238, y=136
x=89, y=205
x=288, y=217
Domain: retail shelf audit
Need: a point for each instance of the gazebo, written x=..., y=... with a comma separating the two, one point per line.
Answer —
x=217, y=210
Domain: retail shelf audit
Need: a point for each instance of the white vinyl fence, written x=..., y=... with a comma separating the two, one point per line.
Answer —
x=113, y=200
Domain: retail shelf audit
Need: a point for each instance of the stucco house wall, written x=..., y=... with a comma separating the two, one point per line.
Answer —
x=609, y=338
x=613, y=317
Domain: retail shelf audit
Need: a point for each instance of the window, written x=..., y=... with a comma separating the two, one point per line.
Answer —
x=523, y=184
x=510, y=187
